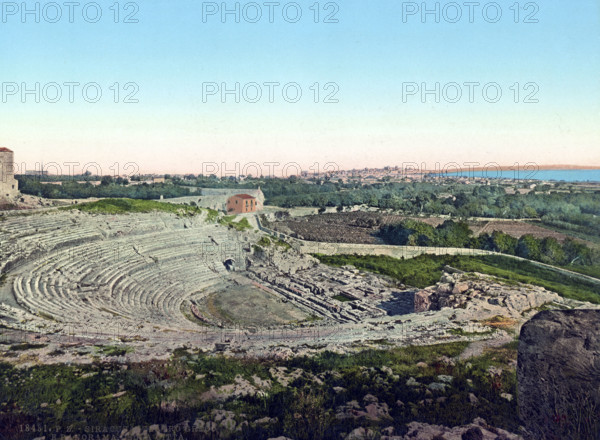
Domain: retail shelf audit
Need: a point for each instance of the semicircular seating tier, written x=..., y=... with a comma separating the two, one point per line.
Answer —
x=101, y=270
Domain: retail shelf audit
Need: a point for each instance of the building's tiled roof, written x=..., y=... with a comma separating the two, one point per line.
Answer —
x=5, y=150
x=244, y=196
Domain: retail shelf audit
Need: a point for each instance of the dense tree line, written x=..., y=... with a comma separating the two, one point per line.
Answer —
x=575, y=211
x=434, y=199
x=458, y=234
x=216, y=182
x=112, y=188
x=568, y=208
x=565, y=208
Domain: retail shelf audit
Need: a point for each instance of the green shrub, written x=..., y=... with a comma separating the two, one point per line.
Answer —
x=124, y=206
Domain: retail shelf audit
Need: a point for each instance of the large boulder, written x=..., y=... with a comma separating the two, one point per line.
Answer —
x=559, y=375
x=460, y=288
x=423, y=301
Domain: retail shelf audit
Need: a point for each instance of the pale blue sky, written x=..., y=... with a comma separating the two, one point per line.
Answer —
x=369, y=54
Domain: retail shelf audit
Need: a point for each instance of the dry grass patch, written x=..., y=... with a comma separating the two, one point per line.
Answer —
x=500, y=322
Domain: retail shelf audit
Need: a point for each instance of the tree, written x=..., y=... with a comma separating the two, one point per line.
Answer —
x=504, y=243
x=552, y=252
x=409, y=233
x=577, y=253
x=530, y=212
x=529, y=247
x=453, y=234
x=106, y=180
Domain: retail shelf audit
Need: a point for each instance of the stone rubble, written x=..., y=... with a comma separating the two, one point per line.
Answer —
x=481, y=296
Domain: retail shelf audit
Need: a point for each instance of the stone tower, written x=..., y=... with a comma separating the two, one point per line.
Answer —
x=260, y=198
x=9, y=187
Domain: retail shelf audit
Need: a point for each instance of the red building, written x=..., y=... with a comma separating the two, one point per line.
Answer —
x=241, y=204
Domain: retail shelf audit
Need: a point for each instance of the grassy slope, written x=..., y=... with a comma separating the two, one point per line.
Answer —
x=242, y=225
x=592, y=271
x=593, y=240
x=123, y=206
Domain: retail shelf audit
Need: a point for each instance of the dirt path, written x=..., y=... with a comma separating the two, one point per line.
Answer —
x=478, y=347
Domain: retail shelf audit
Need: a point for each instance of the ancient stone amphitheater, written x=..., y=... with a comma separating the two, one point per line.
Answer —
x=75, y=268
x=162, y=280
x=173, y=279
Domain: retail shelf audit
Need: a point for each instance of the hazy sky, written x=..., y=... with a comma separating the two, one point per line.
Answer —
x=373, y=61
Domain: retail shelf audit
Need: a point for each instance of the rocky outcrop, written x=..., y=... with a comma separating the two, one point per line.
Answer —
x=371, y=409
x=482, y=296
x=288, y=262
x=559, y=375
x=240, y=388
x=478, y=430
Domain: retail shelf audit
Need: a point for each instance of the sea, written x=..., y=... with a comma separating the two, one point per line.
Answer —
x=550, y=175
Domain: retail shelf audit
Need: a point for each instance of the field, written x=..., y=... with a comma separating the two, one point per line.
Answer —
x=349, y=227
x=363, y=227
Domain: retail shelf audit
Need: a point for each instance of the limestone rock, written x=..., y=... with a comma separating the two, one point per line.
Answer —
x=559, y=372
x=423, y=301
x=445, y=378
x=411, y=382
x=444, y=288
x=437, y=386
x=478, y=430
x=478, y=296
x=460, y=288
x=473, y=400
x=360, y=434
